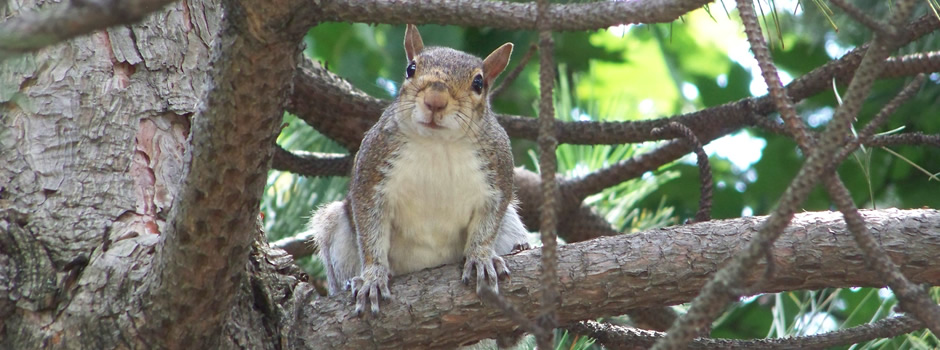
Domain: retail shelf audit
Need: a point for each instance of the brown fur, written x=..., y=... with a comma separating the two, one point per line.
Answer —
x=439, y=135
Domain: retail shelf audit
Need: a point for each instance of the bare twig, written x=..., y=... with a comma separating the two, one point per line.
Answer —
x=297, y=246
x=547, y=166
x=704, y=169
x=515, y=72
x=866, y=134
x=912, y=298
x=914, y=138
x=857, y=14
x=343, y=113
x=718, y=292
x=922, y=62
x=311, y=164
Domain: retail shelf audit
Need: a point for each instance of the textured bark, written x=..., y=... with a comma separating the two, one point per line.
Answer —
x=95, y=142
x=609, y=275
x=130, y=175
x=82, y=201
x=200, y=264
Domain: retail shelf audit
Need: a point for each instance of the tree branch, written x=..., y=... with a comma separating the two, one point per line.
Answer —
x=622, y=338
x=821, y=153
x=548, y=166
x=201, y=258
x=311, y=164
x=343, y=113
x=509, y=15
x=607, y=276
x=34, y=30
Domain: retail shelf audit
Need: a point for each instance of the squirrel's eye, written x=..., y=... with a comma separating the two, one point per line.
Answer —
x=478, y=83
x=410, y=71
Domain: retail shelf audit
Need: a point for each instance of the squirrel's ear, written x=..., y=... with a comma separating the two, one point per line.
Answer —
x=496, y=62
x=413, y=43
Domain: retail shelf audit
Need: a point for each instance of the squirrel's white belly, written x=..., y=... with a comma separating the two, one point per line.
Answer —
x=432, y=190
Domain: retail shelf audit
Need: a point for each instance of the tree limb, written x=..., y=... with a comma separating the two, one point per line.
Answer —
x=344, y=113
x=34, y=30
x=200, y=261
x=622, y=338
x=609, y=275
x=821, y=151
x=509, y=15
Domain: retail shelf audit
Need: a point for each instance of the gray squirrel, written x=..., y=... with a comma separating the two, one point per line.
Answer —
x=432, y=183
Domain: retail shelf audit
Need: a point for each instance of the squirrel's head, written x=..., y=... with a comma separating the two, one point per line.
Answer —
x=446, y=92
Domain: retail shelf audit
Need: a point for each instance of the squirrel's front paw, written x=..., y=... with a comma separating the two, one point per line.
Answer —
x=489, y=268
x=368, y=287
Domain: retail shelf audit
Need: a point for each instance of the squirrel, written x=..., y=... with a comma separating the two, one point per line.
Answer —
x=432, y=182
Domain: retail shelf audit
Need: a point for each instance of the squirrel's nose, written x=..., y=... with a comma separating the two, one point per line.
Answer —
x=436, y=101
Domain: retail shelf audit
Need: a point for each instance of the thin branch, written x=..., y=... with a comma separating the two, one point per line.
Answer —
x=311, y=164
x=911, y=297
x=515, y=72
x=887, y=110
x=914, y=138
x=620, y=338
x=868, y=132
x=859, y=16
x=298, y=246
x=548, y=165
x=343, y=113
x=912, y=64
x=704, y=169
x=721, y=289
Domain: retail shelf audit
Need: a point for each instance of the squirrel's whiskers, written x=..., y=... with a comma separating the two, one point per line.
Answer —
x=432, y=182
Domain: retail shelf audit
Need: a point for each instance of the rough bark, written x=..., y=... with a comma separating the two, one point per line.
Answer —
x=128, y=193
x=609, y=275
x=94, y=137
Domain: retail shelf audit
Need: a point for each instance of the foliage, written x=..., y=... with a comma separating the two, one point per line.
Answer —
x=653, y=71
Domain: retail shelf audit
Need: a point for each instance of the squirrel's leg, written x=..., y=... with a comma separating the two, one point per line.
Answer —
x=480, y=252
x=373, y=237
x=334, y=235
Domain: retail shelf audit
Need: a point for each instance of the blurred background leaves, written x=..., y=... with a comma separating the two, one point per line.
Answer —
x=655, y=71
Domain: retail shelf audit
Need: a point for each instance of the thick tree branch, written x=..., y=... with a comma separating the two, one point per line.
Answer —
x=624, y=338
x=509, y=15
x=609, y=275
x=34, y=30
x=200, y=261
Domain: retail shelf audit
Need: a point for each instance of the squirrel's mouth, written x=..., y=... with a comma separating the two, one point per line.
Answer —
x=431, y=125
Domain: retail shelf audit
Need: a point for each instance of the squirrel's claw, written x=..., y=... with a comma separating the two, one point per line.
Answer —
x=368, y=288
x=488, y=271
